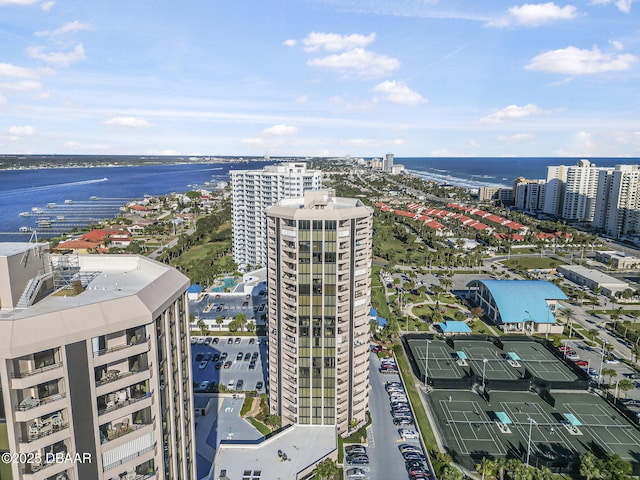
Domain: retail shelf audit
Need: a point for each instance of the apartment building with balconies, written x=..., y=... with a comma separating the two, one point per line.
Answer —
x=94, y=367
x=252, y=192
x=318, y=278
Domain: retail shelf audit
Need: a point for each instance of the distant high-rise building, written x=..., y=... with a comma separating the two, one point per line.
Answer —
x=388, y=162
x=554, y=189
x=319, y=274
x=528, y=194
x=618, y=204
x=580, y=192
x=95, y=360
x=498, y=194
x=255, y=190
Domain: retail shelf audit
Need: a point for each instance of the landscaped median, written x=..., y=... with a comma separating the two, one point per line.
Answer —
x=422, y=421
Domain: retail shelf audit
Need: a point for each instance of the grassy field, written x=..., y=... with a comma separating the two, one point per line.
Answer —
x=377, y=293
x=261, y=427
x=529, y=263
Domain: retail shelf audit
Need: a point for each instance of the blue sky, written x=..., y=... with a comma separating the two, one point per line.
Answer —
x=320, y=77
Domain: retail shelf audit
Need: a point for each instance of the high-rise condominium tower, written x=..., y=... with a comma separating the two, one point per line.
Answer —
x=319, y=270
x=95, y=364
x=618, y=203
x=388, y=162
x=255, y=190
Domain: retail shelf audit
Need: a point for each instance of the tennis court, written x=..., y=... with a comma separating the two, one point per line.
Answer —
x=540, y=361
x=485, y=357
x=472, y=427
x=442, y=362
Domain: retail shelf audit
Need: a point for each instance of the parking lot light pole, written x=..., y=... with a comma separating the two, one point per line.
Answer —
x=601, y=363
x=426, y=363
x=484, y=368
x=531, y=422
x=617, y=382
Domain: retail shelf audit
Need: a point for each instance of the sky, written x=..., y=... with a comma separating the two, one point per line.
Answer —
x=419, y=78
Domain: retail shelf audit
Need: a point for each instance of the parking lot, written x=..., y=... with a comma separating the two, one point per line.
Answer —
x=216, y=373
x=384, y=441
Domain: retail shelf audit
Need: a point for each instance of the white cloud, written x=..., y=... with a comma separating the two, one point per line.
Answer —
x=86, y=147
x=66, y=28
x=512, y=112
x=3, y=100
x=363, y=62
x=127, y=122
x=290, y=42
x=281, y=129
x=616, y=44
x=22, y=131
x=46, y=6
x=334, y=42
x=60, y=59
x=533, y=15
x=22, y=85
x=517, y=137
x=10, y=70
x=576, y=61
x=17, y=2
x=622, y=5
x=302, y=99
x=398, y=92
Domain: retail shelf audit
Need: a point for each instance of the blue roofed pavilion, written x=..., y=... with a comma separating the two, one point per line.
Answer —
x=451, y=327
x=525, y=306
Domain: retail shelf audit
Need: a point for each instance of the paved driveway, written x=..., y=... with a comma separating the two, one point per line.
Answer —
x=386, y=462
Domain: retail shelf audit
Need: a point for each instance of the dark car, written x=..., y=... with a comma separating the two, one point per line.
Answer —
x=358, y=460
x=216, y=357
x=230, y=340
x=355, y=449
x=403, y=421
x=414, y=456
x=199, y=357
x=252, y=341
x=239, y=356
x=207, y=341
x=218, y=365
x=247, y=356
x=237, y=340
x=223, y=356
x=207, y=356
x=259, y=385
x=239, y=384
x=254, y=355
x=227, y=364
x=213, y=387
x=216, y=340
x=252, y=365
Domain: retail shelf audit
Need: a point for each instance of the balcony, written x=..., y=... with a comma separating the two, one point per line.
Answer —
x=38, y=430
x=134, y=347
x=128, y=458
x=119, y=430
x=28, y=378
x=118, y=402
x=29, y=403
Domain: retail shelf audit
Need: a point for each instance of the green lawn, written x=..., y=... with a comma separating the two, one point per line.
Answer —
x=532, y=262
x=261, y=427
x=377, y=293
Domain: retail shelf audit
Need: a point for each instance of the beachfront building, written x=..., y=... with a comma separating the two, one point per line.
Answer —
x=254, y=190
x=388, y=163
x=617, y=260
x=319, y=281
x=94, y=360
x=618, y=203
x=528, y=195
x=497, y=194
x=518, y=306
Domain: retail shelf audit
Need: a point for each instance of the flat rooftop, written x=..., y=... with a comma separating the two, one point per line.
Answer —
x=303, y=445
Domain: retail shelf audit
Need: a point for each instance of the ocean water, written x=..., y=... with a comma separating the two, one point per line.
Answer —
x=72, y=189
x=478, y=172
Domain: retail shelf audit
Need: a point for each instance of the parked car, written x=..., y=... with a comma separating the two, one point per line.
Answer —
x=229, y=340
x=353, y=449
x=203, y=386
x=207, y=356
x=230, y=384
x=237, y=340
x=194, y=340
x=215, y=340
x=247, y=356
x=403, y=421
x=407, y=433
x=414, y=456
x=358, y=460
x=252, y=364
x=240, y=384
x=239, y=356
x=199, y=357
x=612, y=361
x=207, y=341
x=216, y=357
x=227, y=364
x=252, y=341
x=203, y=365
x=355, y=472
x=223, y=356
x=582, y=363
x=259, y=385
x=254, y=355
x=218, y=365
x=405, y=447
x=200, y=340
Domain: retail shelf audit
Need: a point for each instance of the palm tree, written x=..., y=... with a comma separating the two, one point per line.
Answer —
x=219, y=321
x=203, y=327
x=241, y=321
x=451, y=473
x=625, y=385
x=609, y=372
x=487, y=466
x=589, y=465
x=567, y=313
x=327, y=470
x=251, y=326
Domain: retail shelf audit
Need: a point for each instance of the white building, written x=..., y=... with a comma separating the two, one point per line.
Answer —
x=319, y=281
x=528, y=195
x=255, y=190
x=554, y=189
x=618, y=205
x=94, y=360
x=388, y=163
x=580, y=191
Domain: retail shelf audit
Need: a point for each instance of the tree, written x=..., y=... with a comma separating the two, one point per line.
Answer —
x=567, y=313
x=589, y=465
x=477, y=312
x=625, y=385
x=241, y=321
x=273, y=421
x=219, y=321
x=203, y=327
x=459, y=316
x=487, y=467
x=451, y=473
x=251, y=326
x=615, y=468
x=233, y=326
x=609, y=372
x=327, y=470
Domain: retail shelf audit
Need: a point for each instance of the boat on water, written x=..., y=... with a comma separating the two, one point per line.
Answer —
x=25, y=214
x=93, y=197
x=68, y=202
x=24, y=229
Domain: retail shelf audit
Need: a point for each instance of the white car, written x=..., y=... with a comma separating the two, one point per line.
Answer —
x=200, y=340
x=407, y=433
x=203, y=365
x=203, y=386
x=194, y=340
x=612, y=361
